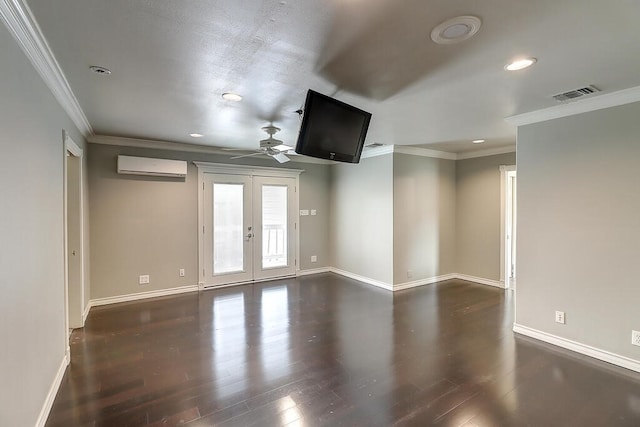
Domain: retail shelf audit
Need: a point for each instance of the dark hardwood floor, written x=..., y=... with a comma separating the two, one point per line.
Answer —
x=326, y=350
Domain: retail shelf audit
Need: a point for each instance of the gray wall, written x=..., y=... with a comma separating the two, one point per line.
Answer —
x=148, y=225
x=478, y=215
x=579, y=232
x=362, y=218
x=424, y=213
x=31, y=230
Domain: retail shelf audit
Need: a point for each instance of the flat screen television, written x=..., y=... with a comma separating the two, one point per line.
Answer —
x=331, y=129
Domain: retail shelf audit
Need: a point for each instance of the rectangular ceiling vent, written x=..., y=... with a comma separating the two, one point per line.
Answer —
x=577, y=93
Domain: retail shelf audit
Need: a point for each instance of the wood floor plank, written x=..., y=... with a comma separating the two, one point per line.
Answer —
x=325, y=350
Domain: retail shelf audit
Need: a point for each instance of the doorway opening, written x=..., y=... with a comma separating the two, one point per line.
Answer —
x=73, y=237
x=508, y=185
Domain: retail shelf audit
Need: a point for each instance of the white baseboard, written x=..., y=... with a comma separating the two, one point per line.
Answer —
x=405, y=285
x=85, y=313
x=481, y=280
x=313, y=271
x=422, y=282
x=53, y=391
x=587, y=350
x=143, y=295
x=364, y=279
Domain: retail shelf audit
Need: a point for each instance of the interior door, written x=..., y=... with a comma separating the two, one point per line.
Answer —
x=228, y=230
x=249, y=228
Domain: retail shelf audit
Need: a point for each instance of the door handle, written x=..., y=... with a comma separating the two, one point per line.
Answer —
x=249, y=236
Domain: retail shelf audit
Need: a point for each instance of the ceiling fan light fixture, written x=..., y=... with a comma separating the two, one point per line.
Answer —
x=230, y=96
x=520, y=64
x=456, y=30
x=282, y=147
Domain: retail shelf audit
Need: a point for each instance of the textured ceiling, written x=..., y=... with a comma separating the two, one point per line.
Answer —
x=172, y=60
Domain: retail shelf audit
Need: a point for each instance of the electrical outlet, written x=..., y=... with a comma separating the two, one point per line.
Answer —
x=560, y=317
x=313, y=212
x=182, y=272
x=144, y=279
x=314, y=258
x=635, y=337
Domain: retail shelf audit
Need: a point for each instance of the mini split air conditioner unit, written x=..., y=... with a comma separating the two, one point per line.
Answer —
x=155, y=167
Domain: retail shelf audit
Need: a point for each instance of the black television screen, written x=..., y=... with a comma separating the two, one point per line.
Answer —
x=331, y=129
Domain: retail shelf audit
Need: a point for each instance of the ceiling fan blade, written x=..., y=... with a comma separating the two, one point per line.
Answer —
x=247, y=155
x=281, y=158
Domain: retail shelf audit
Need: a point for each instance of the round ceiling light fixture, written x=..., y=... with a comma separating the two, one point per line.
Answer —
x=520, y=64
x=230, y=96
x=456, y=29
x=100, y=70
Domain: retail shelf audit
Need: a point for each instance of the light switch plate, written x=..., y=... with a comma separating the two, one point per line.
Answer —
x=304, y=212
x=313, y=212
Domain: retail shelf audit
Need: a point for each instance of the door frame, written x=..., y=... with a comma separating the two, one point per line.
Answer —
x=225, y=169
x=71, y=149
x=506, y=171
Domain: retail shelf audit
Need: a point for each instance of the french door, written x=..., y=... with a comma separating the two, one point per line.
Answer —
x=249, y=227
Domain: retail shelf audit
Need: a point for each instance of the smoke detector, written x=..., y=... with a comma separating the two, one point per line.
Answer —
x=456, y=30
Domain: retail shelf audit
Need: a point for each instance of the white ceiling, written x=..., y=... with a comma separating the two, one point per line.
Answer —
x=172, y=60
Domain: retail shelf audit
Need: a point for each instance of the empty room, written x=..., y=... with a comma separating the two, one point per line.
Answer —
x=319, y=213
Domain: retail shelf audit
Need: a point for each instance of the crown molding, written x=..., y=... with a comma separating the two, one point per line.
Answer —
x=156, y=144
x=607, y=100
x=20, y=22
x=486, y=152
x=435, y=154
x=184, y=147
x=425, y=152
x=372, y=152
x=377, y=151
x=403, y=149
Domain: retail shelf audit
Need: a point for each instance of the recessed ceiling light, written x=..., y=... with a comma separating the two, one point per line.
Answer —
x=520, y=64
x=229, y=96
x=100, y=70
x=478, y=141
x=196, y=135
x=456, y=29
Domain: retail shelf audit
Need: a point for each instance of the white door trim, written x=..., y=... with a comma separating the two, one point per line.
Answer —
x=504, y=174
x=222, y=168
x=72, y=149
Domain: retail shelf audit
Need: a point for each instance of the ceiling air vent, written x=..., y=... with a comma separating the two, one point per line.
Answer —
x=577, y=93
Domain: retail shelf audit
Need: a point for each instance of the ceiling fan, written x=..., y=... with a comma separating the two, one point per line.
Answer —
x=270, y=146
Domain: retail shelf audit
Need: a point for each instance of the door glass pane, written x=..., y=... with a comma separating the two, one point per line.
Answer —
x=228, y=233
x=274, y=226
